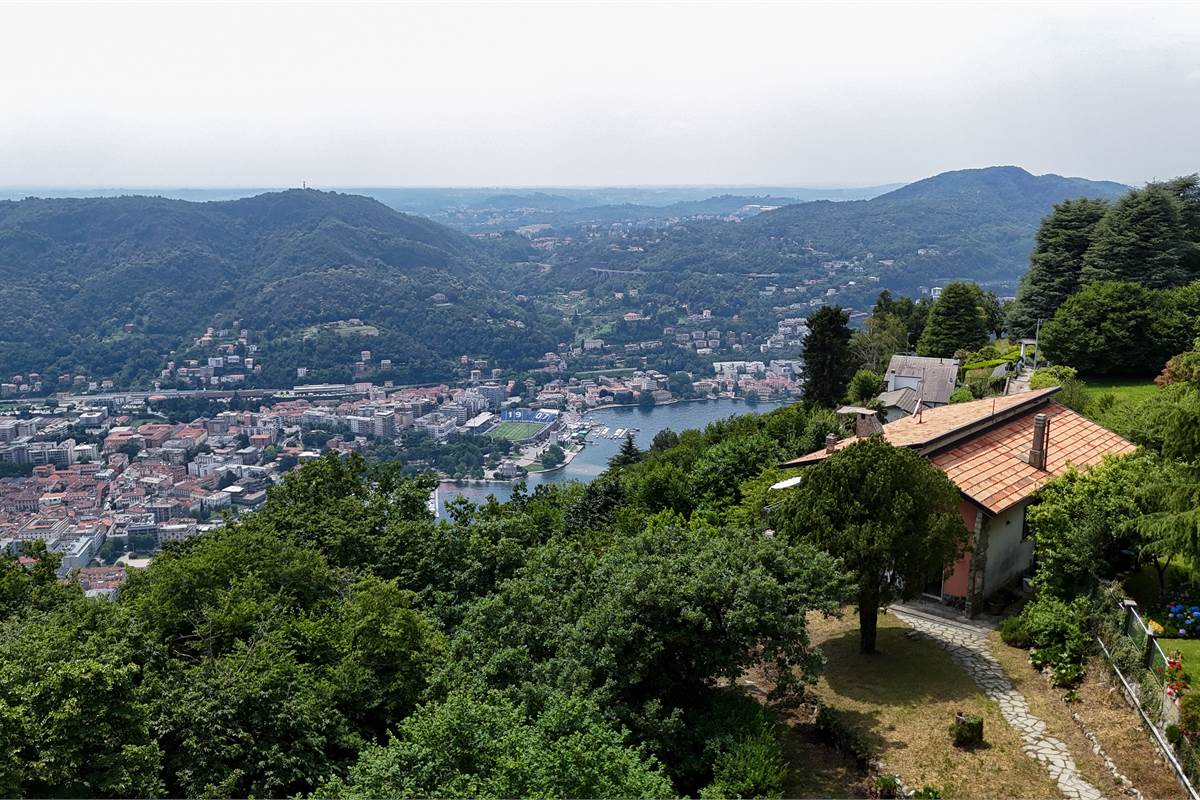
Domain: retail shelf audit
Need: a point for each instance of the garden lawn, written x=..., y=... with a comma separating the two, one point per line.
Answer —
x=1124, y=389
x=903, y=700
x=1189, y=649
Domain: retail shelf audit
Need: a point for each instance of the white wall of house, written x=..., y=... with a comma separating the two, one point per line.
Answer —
x=1007, y=555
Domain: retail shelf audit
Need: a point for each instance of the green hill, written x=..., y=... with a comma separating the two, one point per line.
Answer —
x=979, y=222
x=74, y=272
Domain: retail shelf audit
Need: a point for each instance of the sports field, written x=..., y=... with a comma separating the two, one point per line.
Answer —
x=516, y=431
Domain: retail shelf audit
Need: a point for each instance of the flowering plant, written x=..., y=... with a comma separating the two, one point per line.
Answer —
x=1172, y=675
x=1183, y=620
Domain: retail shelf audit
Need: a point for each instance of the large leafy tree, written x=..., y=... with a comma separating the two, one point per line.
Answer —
x=1116, y=328
x=957, y=321
x=469, y=747
x=1056, y=262
x=881, y=337
x=649, y=622
x=73, y=719
x=913, y=313
x=828, y=362
x=886, y=512
x=1143, y=238
x=1085, y=523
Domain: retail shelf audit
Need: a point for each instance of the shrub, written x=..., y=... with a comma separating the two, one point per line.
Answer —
x=1045, y=377
x=1174, y=735
x=1073, y=394
x=1127, y=656
x=885, y=787
x=1187, y=758
x=1189, y=713
x=1150, y=694
x=741, y=749
x=1067, y=673
x=753, y=767
x=840, y=735
x=961, y=395
x=967, y=730
x=927, y=793
x=1057, y=627
x=1014, y=632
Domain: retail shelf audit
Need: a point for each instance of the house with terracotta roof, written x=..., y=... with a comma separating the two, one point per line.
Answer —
x=998, y=451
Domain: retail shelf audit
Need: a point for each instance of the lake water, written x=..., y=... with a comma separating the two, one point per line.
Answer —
x=594, y=458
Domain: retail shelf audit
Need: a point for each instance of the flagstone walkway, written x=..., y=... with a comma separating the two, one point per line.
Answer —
x=967, y=645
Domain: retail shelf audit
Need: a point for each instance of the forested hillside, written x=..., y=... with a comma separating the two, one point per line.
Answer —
x=75, y=272
x=974, y=224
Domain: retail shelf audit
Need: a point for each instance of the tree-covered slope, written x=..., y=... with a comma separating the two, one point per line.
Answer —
x=74, y=272
x=978, y=221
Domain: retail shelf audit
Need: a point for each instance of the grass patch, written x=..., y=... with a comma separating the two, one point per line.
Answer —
x=903, y=700
x=1189, y=649
x=516, y=431
x=342, y=330
x=1126, y=390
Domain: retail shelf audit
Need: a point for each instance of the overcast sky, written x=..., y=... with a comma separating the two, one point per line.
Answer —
x=238, y=94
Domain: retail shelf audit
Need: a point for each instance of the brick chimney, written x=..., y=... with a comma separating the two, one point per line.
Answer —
x=1040, y=443
x=831, y=441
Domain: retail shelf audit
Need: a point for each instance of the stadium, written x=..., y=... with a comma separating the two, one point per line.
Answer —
x=522, y=425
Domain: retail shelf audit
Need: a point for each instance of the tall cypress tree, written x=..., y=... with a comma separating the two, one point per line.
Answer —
x=956, y=322
x=828, y=362
x=1143, y=239
x=1057, y=260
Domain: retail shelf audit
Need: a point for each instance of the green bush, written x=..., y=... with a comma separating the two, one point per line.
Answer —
x=741, y=749
x=1045, y=377
x=1057, y=627
x=1014, y=632
x=1067, y=673
x=752, y=767
x=1189, y=713
x=1174, y=735
x=961, y=395
x=927, y=793
x=886, y=787
x=1150, y=694
x=1127, y=656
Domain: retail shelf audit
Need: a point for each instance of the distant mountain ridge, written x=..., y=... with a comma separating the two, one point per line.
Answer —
x=978, y=222
x=74, y=272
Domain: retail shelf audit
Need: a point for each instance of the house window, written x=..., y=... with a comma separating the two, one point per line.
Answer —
x=1025, y=532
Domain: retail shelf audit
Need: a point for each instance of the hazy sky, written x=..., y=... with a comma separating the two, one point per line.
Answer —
x=218, y=94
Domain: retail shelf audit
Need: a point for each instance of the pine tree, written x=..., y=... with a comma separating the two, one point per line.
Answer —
x=1057, y=260
x=628, y=454
x=1143, y=239
x=956, y=322
x=828, y=362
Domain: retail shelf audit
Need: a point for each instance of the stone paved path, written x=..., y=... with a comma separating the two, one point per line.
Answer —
x=967, y=645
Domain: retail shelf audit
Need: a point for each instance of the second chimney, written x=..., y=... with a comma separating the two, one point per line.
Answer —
x=1041, y=440
x=831, y=441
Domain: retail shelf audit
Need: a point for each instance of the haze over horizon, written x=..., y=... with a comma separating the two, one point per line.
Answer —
x=534, y=95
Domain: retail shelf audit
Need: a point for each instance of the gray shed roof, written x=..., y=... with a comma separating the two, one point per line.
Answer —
x=904, y=399
x=937, y=376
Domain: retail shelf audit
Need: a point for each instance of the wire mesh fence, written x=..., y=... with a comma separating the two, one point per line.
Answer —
x=1150, y=685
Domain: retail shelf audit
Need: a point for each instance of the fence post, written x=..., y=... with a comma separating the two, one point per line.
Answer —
x=1130, y=607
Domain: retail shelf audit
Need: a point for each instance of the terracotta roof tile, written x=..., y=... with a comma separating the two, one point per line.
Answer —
x=988, y=465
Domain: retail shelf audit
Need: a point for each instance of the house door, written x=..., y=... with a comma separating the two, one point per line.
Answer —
x=933, y=586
